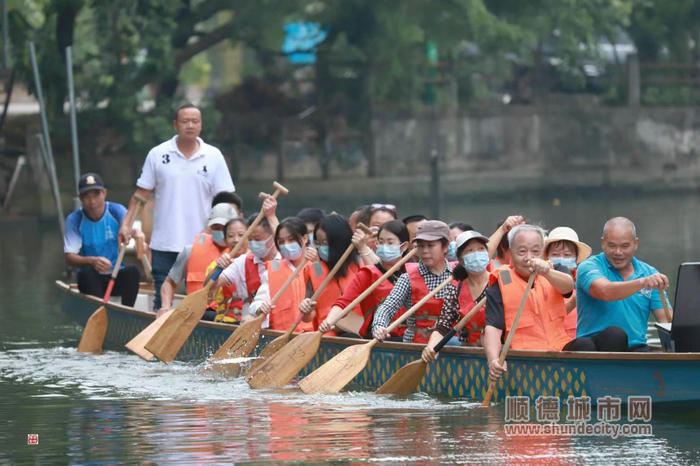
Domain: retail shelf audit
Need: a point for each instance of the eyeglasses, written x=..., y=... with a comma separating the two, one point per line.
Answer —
x=383, y=206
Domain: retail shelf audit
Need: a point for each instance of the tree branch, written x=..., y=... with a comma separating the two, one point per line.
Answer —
x=206, y=41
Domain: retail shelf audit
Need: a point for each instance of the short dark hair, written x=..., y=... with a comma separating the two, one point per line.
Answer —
x=414, y=218
x=311, y=214
x=461, y=225
x=263, y=223
x=240, y=220
x=364, y=215
x=184, y=106
x=228, y=197
x=296, y=227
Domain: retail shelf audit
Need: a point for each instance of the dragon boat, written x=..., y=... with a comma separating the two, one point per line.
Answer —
x=458, y=372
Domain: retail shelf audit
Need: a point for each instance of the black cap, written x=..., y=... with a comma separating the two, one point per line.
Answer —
x=90, y=181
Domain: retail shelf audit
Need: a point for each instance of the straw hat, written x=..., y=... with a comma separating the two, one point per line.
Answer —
x=568, y=234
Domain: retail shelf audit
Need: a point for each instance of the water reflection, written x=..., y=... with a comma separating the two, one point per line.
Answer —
x=119, y=408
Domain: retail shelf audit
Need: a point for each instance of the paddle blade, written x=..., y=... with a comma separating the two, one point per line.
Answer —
x=137, y=344
x=242, y=340
x=339, y=371
x=489, y=394
x=406, y=379
x=94, y=332
x=270, y=349
x=280, y=368
x=169, y=338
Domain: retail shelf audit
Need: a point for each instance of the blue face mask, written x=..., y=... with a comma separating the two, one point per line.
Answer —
x=323, y=253
x=218, y=237
x=311, y=239
x=452, y=251
x=569, y=262
x=389, y=252
x=476, y=262
x=291, y=251
x=258, y=248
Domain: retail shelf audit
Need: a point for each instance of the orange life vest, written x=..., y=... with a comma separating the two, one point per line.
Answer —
x=318, y=271
x=287, y=307
x=204, y=251
x=541, y=325
x=427, y=315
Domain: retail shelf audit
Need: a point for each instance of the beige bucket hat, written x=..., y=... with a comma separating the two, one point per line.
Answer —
x=568, y=234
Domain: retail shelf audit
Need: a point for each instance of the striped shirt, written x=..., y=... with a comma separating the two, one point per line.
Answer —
x=401, y=296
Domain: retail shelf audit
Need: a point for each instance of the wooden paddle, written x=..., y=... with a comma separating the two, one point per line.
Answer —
x=245, y=337
x=667, y=311
x=174, y=331
x=344, y=366
x=280, y=368
x=136, y=344
x=504, y=351
x=406, y=379
x=278, y=189
x=275, y=345
x=96, y=326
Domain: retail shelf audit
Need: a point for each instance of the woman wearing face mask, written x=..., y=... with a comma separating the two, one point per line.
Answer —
x=243, y=275
x=432, y=240
x=192, y=262
x=291, y=240
x=471, y=279
x=455, y=229
x=563, y=248
x=333, y=236
x=392, y=243
x=225, y=301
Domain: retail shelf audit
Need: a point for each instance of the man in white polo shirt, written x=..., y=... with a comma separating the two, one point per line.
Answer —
x=185, y=173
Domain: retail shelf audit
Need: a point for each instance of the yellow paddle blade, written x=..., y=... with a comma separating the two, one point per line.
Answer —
x=406, y=379
x=94, y=332
x=242, y=341
x=169, y=338
x=339, y=371
x=267, y=352
x=137, y=344
x=279, y=369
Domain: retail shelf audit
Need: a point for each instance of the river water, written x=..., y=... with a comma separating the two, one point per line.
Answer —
x=116, y=408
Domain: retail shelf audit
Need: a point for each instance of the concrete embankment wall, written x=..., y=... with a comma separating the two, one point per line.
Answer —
x=495, y=151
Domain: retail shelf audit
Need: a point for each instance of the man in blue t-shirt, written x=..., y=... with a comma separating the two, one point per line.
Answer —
x=90, y=242
x=615, y=289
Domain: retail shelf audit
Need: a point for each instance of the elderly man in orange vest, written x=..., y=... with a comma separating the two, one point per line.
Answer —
x=541, y=325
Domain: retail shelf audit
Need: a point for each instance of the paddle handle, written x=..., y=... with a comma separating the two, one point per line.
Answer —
x=296, y=322
x=365, y=229
x=289, y=281
x=419, y=304
x=278, y=189
x=506, y=345
x=460, y=325
x=122, y=250
x=667, y=311
x=374, y=285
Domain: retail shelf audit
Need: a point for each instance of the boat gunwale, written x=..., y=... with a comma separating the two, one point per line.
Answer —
x=415, y=347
